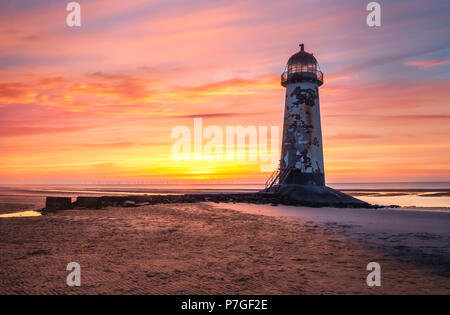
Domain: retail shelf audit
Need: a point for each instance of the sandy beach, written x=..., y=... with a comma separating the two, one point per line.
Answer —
x=207, y=248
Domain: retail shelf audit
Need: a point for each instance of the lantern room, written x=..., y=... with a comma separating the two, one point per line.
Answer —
x=302, y=67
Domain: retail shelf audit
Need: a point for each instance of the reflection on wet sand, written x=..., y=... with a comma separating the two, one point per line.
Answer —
x=20, y=214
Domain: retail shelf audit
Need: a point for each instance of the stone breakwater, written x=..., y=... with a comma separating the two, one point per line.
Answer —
x=64, y=203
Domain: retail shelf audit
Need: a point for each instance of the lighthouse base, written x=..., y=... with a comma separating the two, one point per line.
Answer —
x=316, y=195
x=296, y=177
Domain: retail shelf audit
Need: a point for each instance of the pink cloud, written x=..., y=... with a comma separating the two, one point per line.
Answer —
x=427, y=63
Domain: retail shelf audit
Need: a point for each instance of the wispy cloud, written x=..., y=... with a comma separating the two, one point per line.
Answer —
x=427, y=63
x=114, y=92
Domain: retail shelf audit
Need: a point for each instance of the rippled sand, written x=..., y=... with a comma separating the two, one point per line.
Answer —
x=193, y=249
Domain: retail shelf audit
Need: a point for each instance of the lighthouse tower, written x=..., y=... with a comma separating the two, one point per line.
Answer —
x=301, y=153
x=300, y=180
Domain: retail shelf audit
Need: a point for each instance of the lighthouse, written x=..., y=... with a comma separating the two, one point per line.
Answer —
x=302, y=151
x=300, y=178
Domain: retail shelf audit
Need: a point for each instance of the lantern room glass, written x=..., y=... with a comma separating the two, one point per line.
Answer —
x=301, y=67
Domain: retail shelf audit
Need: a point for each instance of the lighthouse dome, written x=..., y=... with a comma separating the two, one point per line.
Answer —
x=302, y=66
x=302, y=57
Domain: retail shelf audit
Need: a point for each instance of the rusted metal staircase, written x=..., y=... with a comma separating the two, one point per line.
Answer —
x=276, y=177
x=272, y=179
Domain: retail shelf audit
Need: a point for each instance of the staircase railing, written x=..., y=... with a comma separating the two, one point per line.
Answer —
x=272, y=179
x=285, y=174
x=277, y=177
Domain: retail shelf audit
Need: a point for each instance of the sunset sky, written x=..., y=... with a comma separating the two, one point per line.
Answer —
x=97, y=103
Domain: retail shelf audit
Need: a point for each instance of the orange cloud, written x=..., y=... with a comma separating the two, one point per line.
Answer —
x=427, y=63
x=113, y=93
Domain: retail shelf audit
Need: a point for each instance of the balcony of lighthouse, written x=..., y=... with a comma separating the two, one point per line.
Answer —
x=295, y=73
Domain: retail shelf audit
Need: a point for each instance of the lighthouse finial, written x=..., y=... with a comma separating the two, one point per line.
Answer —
x=302, y=47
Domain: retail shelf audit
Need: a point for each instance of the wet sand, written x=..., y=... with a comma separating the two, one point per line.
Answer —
x=415, y=235
x=195, y=249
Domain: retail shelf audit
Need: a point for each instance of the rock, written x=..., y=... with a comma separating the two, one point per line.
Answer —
x=129, y=203
x=57, y=203
x=317, y=196
x=88, y=203
x=295, y=195
x=112, y=201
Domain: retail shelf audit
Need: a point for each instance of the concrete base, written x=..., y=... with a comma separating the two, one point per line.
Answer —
x=88, y=203
x=58, y=203
x=296, y=177
x=316, y=194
